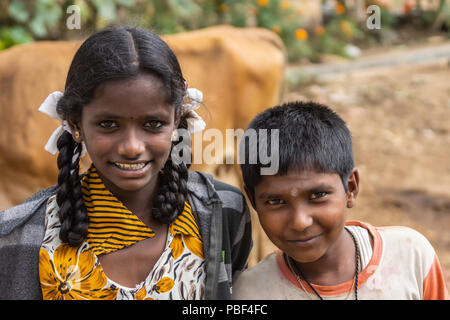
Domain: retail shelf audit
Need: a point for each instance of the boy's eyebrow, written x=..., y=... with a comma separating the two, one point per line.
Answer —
x=319, y=188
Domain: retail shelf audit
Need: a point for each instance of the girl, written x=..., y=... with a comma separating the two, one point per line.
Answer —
x=137, y=224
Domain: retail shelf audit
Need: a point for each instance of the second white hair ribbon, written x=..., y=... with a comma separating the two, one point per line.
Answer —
x=194, y=121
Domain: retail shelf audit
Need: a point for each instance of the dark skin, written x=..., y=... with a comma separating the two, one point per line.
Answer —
x=129, y=122
x=303, y=213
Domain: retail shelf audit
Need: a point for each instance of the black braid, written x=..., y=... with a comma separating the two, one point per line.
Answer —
x=172, y=192
x=72, y=212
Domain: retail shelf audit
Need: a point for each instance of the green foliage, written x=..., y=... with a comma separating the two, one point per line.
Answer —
x=23, y=21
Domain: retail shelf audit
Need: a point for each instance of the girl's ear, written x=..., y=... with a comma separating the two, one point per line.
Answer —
x=353, y=188
x=76, y=131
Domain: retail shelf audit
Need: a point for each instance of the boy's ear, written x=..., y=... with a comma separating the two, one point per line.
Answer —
x=76, y=131
x=250, y=196
x=353, y=188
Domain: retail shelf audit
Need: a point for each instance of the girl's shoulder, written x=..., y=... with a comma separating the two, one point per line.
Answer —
x=204, y=186
x=17, y=216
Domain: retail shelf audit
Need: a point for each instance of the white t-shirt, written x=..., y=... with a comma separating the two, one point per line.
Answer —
x=402, y=264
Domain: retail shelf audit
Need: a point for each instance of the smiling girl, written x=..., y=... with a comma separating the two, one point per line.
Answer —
x=136, y=225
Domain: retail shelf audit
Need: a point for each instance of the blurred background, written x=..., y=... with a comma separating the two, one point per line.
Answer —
x=383, y=65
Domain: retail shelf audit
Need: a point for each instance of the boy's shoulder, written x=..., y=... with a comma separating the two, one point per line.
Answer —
x=259, y=281
x=407, y=248
x=396, y=238
x=400, y=238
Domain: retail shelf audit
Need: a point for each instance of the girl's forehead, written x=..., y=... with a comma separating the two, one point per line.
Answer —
x=135, y=97
x=140, y=85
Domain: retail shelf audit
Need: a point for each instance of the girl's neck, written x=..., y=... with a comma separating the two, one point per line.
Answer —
x=139, y=202
x=336, y=266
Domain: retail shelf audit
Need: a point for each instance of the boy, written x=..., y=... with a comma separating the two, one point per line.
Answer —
x=302, y=209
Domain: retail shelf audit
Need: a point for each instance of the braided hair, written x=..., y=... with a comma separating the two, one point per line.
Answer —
x=111, y=54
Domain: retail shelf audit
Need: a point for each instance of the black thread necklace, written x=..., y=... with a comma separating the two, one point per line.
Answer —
x=297, y=272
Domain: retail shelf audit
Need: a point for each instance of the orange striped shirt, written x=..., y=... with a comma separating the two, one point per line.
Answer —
x=112, y=226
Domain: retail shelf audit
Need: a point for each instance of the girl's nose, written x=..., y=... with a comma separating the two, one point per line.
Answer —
x=131, y=145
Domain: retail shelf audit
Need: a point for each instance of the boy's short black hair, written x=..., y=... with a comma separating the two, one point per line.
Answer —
x=311, y=137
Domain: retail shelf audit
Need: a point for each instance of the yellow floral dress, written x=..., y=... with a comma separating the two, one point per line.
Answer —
x=75, y=272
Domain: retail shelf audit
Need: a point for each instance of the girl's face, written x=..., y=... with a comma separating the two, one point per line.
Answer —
x=127, y=130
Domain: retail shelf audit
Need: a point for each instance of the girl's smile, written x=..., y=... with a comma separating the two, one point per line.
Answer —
x=132, y=170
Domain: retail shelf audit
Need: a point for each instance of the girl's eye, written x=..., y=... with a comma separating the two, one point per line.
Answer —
x=108, y=124
x=275, y=202
x=317, y=195
x=153, y=124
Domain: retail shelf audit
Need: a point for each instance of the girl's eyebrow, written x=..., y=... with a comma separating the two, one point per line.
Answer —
x=109, y=115
x=267, y=195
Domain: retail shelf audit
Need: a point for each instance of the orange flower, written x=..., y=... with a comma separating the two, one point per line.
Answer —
x=263, y=3
x=140, y=295
x=177, y=246
x=285, y=4
x=408, y=6
x=194, y=245
x=164, y=285
x=179, y=242
x=346, y=28
x=384, y=3
x=276, y=29
x=340, y=9
x=319, y=30
x=223, y=8
x=301, y=34
x=72, y=275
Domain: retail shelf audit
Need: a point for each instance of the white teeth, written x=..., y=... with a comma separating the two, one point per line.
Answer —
x=127, y=166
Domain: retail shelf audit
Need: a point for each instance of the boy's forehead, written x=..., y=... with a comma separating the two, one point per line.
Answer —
x=295, y=181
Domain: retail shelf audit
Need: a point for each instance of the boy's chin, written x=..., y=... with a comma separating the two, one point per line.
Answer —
x=304, y=255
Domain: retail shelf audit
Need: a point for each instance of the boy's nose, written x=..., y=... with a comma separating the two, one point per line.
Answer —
x=131, y=146
x=301, y=219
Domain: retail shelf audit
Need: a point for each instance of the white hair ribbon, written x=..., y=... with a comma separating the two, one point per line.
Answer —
x=194, y=121
x=49, y=108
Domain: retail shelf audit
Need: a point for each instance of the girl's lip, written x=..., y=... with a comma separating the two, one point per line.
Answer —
x=130, y=173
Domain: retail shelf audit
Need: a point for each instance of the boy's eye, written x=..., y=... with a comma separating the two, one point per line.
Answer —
x=108, y=124
x=275, y=202
x=317, y=195
x=153, y=124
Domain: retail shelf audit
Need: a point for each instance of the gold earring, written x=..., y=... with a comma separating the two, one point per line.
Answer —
x=77, y=135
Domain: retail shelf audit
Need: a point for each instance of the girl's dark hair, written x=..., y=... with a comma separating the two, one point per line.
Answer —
x=311, y=137
x=115, y=53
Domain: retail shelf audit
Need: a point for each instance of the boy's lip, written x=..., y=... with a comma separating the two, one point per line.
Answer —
x=304, y=241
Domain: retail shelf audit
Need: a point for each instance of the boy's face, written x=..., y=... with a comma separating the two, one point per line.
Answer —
x=303, y=212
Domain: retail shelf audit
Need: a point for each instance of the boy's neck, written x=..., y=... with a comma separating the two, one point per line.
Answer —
x=336, y=266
